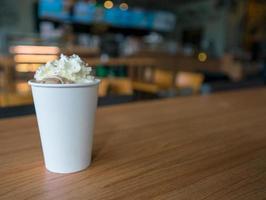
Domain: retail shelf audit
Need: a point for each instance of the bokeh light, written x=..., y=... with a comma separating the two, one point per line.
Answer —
x=108, y=4
x=202, y=56
x=123, y=6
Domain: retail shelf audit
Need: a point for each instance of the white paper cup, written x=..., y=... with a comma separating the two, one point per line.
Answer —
x=65, y=115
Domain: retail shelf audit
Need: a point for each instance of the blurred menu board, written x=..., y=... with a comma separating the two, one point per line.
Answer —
x=113, y=16
x=56, y=9
x=89, y=13
x=84, y=12
x=143, y=19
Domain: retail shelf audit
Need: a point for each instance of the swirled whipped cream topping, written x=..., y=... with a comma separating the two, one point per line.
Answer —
x=64, y=70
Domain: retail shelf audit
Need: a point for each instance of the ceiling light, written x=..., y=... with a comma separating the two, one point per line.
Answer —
x=108, y=4
x=21, y=49
x=123, y=6
x=34, y=58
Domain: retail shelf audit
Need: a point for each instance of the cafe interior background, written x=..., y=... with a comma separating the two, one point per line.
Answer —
x=142, y=50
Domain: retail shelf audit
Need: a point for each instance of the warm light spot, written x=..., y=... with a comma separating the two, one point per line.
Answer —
x=123, y=6
x=108, y=4
x=21, y=49
x=26, y=67
x=202, y=56
x=34, y=58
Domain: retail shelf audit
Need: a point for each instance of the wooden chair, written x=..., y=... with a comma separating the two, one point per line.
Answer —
x=18, y=93
x=2, y=79
x=6, y=71
x=145, y=87
x=232, y=68
x=121, y=86
x=161, y=80
x=103, y=87
x=189, y=80
x=15, y=99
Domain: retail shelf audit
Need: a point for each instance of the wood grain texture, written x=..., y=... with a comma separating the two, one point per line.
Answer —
x=204, y=148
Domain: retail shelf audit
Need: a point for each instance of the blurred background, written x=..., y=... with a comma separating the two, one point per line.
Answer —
x=141, y=49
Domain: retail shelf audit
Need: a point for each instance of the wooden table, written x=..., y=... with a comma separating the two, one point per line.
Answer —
x=209, y=147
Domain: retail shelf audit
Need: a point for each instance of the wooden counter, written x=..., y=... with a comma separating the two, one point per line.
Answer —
x=208, y=147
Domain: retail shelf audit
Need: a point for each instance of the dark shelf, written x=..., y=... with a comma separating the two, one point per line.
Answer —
x=97, y=28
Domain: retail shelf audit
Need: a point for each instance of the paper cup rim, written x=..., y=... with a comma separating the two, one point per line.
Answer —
x=69, y=85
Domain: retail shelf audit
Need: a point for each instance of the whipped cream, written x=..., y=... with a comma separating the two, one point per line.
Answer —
x=66, y=69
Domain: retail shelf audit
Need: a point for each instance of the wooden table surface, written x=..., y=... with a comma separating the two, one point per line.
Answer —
x=204, y=148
